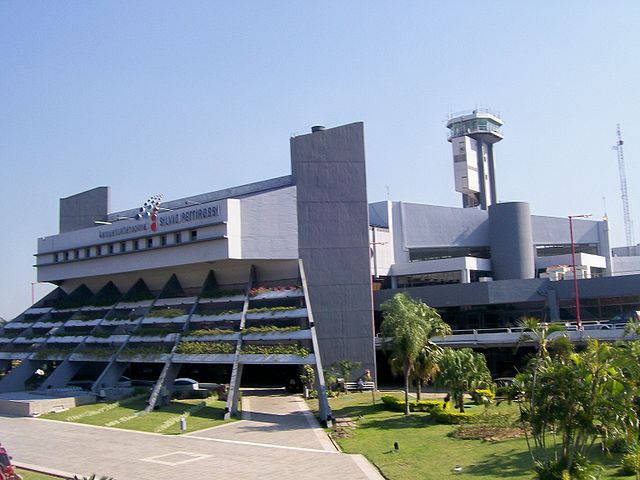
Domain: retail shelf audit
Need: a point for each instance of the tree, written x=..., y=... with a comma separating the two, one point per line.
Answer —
x=571, y=401
x=407, y=326
x=462, y=371
x=345, y=367
x=541, y=334
x=426, y=366
x=308, y=378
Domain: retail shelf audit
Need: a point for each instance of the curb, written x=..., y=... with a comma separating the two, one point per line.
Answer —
x=45, y=471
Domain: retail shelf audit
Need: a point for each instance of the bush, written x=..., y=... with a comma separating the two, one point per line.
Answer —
x=397, y=405
x=483, y=396
x=630, y=462
x=450, y=417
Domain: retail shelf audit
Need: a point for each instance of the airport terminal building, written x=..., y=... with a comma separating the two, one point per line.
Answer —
x=265, y=277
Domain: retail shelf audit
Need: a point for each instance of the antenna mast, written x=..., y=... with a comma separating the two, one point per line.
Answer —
x=628, y=224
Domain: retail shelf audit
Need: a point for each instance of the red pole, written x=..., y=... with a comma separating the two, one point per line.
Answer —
x=575, y=277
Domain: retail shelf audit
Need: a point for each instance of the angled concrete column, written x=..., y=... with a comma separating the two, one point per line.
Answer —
x=15, y=380
x=109, y=376
x=234, y=391
x=161, y=393
x=61, y=375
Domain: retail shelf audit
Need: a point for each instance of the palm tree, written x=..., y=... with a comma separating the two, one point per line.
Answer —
x=462, y=371
x=426, y=367
x=407, y=327
x=533, y=330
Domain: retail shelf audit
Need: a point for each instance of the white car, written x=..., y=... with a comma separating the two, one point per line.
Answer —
x=185, y=384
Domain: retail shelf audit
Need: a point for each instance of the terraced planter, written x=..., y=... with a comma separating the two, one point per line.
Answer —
x=6, y=340
x=38, y=310
x=132, y=305
x=169, y=337
x=232, y=298
x=88, y=357
x=278, y=314
x=14, y=355
x=211, y=338
x=52, y=356
x=250, y=358
x=117, y=321
x=17, y=325
x=47, y=324
x=278, y=294
x=144, y=358
x=294, y=335
x=165, y=302
x=216, y=318
x=109, y=339
x=155, y=320
x=208, y=358
x=82, y=323
x=30, y=340
x=68, y=339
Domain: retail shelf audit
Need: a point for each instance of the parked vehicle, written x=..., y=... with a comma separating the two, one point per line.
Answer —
x=185, y=384
x=7, y=471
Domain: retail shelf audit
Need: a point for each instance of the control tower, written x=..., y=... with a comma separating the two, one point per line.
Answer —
x=472, y=135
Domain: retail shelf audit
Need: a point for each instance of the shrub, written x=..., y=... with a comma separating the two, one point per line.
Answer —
x=397, y=405
x=450, y=417
x=630, y=462
x=483, y=396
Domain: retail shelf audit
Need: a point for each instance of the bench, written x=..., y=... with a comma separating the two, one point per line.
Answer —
x=353, y=386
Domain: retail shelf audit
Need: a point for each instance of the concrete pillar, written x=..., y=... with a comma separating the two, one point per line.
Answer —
x=62, y=375
x=109, y=376
x=465, y=275
x=511, y=241
x=15, y=380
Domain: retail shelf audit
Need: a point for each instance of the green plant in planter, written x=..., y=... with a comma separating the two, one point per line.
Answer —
x=142, y=350
x=205, y=348
x=271, y=309
x=269, y=329
x=210, y=331
x=166, y=313
x=275, y=350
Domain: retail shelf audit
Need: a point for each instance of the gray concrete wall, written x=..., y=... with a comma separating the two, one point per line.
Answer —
x=516, y=291
x=80, y=210
x=329, y=172
x=269, y=228
x=512, y=253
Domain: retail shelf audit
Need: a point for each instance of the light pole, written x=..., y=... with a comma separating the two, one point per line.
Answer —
x=573, y=261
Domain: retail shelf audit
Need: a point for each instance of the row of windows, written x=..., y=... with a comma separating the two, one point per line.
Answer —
x=126, y=246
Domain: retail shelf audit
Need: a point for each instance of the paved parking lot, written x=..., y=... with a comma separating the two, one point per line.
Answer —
x=277, y=439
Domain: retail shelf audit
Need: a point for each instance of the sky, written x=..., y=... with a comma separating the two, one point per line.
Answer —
x=182, y=98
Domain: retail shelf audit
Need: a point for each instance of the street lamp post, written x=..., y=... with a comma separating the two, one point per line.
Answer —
x=573, y=262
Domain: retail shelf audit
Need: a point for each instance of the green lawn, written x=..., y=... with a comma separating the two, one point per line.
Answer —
x=27, y=475
x=426, y=452
x=130, y=415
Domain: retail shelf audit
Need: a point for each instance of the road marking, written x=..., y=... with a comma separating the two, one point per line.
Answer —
x=191, y=457
x=265, y=445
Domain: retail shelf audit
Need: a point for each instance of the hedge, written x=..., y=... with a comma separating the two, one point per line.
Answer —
x=450, y=417
x=397, y=405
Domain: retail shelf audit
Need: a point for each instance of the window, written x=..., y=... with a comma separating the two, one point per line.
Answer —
x=76, y=254
x=110, y=249
x=136, y=245
x=87, y=252
x=194, y=235
x=179, y=237
x=163, y=240
x=123, y=246
x=149, y=242
x=98, y=250
x=66, y=256
x=56, y=257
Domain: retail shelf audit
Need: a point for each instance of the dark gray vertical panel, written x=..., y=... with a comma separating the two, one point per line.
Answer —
x=80, y=210
x=328, y=169
x=511, y=241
